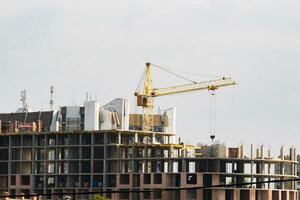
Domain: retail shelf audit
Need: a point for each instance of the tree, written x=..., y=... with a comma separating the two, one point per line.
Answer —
x=99, y=197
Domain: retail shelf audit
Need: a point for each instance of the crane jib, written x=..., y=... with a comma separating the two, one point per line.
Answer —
x=209, y=85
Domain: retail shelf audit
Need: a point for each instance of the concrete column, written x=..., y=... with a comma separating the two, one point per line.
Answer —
x=218, y=194
x=183, y=185
x=215, y=179
x=199, y=179
x=165, y=195
x=143, y=166
x=33, y=197
x=136, y=138
x=262, y=151
x=236, y=194
x=269, y=168
x=200, y=184
x=119, y=138
x=183, y=194
x=292, y=154
x=183, y=165
x=153, y=138
x=241, y=151
x=293, y=195
x=281, y=153
x=264, y=194
x=252, y=194
x=287, y=195
x=200, y=194
x=276, y=195
x=114, y=196
x=260, y=195
x=270, y=195
x=21, y=197
x=15, y=129
x=118, y=181
x=5, y=196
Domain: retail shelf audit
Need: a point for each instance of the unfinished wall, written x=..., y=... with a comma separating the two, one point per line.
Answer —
x=121, y=107
x=91, y=116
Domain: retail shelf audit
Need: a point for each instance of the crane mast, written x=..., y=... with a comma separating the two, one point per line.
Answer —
x=146, y=96
x=147, y=118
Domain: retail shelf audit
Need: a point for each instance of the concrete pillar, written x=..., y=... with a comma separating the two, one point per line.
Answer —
x=183, y=165
x=236, y=193
x=199, y=179
x=153, y=138
x=215, y=179
x=218, y=194
x=165, y=195
x=241, y=151
x=291, y=154
x=293, y=169
x=270, y=195
x=264, y=194
x=136, y=138
x=252, y=194
x=287, y=195
x=275, y=195
x=114, y=196
x=279, y=194
x=21, y=197
x=119, y=138
x=183, y=194
x=281, y=153
x=262, y=151
x=117, y=180
x=251, y=151
x=183, y=185
x=199, y=184
x=33, y=197
x=5, y=196
x=293, y=195
x=199, y=194
x=260, y=195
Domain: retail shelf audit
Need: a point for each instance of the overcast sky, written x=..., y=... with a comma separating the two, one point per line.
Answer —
x=101, y=47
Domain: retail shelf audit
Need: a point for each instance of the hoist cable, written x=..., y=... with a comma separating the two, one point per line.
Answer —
x=215, y=111
x=175, y=74
x=190, y=73
x=142, y=78
x=210, y=114
x=212, y=117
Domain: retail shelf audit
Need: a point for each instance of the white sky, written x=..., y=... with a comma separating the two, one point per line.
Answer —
x=101, y=47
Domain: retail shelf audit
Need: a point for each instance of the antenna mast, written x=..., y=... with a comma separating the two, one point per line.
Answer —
x=23, y=99
x=51, y=97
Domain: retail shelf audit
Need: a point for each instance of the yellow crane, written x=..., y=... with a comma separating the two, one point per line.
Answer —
x=148, y=93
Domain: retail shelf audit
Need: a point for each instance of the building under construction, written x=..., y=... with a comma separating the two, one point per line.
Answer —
x=104, y=149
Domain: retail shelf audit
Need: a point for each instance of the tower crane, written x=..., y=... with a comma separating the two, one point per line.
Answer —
x=146, y=95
